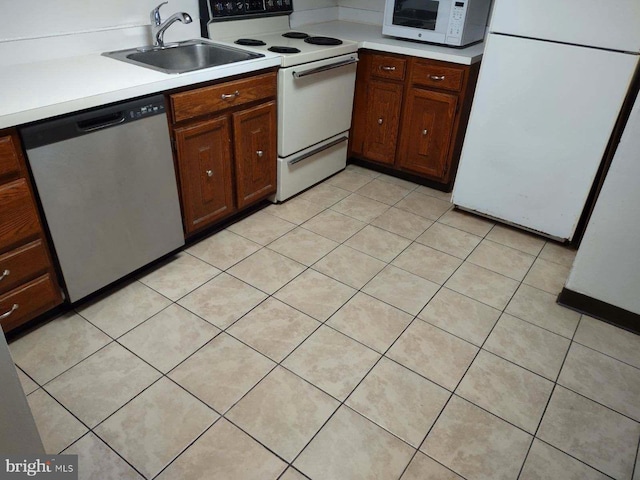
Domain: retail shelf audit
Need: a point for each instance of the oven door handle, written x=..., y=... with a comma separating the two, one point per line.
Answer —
x=324, y=68
x=293, y=161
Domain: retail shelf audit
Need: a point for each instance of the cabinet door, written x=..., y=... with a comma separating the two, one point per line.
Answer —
x=427, y=126
x=255, y=153
x=384, y=100
x=204, y=160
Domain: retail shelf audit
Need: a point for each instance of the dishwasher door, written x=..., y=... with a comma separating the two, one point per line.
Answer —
x=108, y=189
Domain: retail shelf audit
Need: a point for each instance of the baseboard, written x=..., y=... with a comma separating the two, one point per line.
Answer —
x=601, y=310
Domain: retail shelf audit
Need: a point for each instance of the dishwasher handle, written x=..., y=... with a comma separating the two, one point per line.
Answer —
x=103, y=121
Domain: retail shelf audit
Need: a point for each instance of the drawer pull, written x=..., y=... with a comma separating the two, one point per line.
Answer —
x=380, y=121
x=425, y=131
x=227, y=96
x=436, y=78
x=260, y=153
x=209, y=173
x=5, y=274
x=387, y=68
x=13, y=309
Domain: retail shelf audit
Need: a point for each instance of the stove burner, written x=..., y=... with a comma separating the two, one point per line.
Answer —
x=249, y=42
x=323, y=41
x=284, y=49
x=299, y=35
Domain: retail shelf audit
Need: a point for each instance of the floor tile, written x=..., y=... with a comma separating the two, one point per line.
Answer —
x=433, y=353
x=610, y=340
x=349, y=180
x=222, y=300
x=169, y=337
x=315, y=294
x=303, y=246
x=483, y=285
x=476, y=444
x=350, y=446
x=547, y=276
x=603, y=379
x=156, y=426
x=332, y=362
x=519, y=239
x=401, y=289
x=378, y=243
x=274, y=329
x=467, y=222
x=370, y=321
x=119, y=311
x=292, y=474
x=325, y=195
x=460, y=315
x=503, y=260
x=349, y=266
x=427, y=263
x=424, y=205
x=56, y=346
x=383, y=192
x=529, y=346
x=360, y=208
x=547, y=463
x=449, y=240
x=539, y=307
x=506, y=390
x=101, y=384
x=57, y=428
x=222, y=372
x=224, y=452
x=400, y=222
x=425, y=468
x=591, y=433
x=261, y=227
x=556, y=253
x=296, y=210
x=223, y=249
x=267, y=270
x=397, y=181
x=362, y=170
x=334, y=225
x=399, y=400
x=434, y=193
x=179, y=276
x=28, y=385
x=283, y=412
x=96, y=461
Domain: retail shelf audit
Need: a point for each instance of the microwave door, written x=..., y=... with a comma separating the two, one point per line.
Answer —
x=430, y=15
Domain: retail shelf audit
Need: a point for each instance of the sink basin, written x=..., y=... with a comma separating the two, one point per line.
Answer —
x=183, y=56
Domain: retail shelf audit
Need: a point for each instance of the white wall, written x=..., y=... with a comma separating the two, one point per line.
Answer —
x=607, y=266
x=363, y=11
x=313, y=11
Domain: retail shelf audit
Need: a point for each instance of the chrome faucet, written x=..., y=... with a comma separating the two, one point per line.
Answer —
x=158, y=27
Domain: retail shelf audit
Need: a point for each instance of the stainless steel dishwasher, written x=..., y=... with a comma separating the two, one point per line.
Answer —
x=108, y=189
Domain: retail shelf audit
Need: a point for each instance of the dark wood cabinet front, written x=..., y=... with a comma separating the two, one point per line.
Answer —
x=382, y=120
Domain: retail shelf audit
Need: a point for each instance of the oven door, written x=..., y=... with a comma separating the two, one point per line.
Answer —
x=315, y=102
x=425, y=20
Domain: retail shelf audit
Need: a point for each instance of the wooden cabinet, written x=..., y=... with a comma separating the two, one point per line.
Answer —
x=225, y=142
x=410, y=114
x=28, y=282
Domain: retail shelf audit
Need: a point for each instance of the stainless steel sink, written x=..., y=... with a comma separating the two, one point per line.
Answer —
x=183, y=56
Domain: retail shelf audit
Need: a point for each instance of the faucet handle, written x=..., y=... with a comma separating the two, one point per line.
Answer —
x=155, y=15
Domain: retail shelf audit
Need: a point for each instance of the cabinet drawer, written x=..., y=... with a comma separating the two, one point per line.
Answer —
x=388, y=67
x=18, y=215
x=437, y=76
x=28, y=301
x=203, y=101
x=21, y=264
x=9, y=162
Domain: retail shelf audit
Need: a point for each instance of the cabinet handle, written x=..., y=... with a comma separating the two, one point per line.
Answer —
x=387, y=68
x=380, y=121
x=425, y=131
x=260, y=153
x=5, y=274
x=227, y=96
x=13, y=309
x=209, y=173
x=436, y=78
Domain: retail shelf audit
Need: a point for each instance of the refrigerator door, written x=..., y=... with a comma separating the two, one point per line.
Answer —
x=611, y=24
x=540, y=123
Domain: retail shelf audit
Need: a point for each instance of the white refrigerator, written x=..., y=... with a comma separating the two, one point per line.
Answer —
x=553, y=79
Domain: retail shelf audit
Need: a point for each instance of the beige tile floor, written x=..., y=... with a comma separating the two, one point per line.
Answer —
x=363, y=330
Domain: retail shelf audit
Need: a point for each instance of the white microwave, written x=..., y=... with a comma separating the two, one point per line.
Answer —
x=448, y=22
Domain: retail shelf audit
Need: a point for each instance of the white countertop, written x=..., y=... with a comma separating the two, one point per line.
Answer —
x=39, y=90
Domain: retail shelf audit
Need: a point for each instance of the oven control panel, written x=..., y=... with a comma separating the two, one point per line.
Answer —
x=217, y=10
